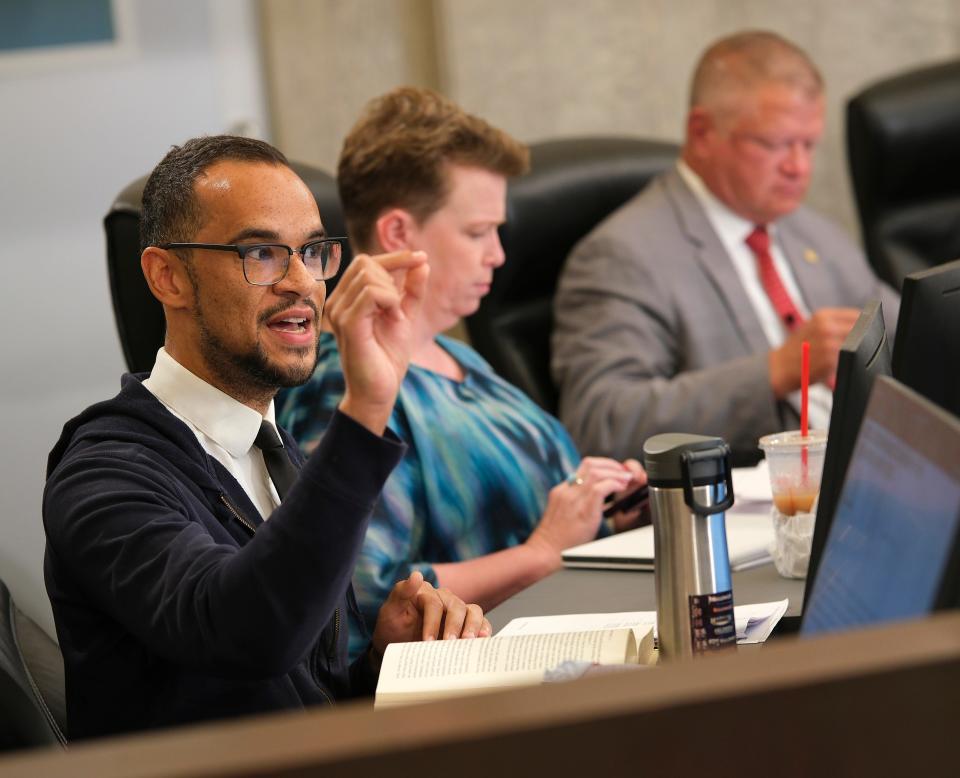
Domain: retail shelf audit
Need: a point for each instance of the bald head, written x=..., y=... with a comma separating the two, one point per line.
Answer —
x=744, y=62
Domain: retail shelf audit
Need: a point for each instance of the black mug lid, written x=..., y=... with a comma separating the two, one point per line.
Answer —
x=663, y=459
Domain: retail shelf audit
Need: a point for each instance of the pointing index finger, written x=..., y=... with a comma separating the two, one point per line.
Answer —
x=400, y=260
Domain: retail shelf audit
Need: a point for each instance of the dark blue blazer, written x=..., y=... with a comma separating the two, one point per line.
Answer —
x=173, y=600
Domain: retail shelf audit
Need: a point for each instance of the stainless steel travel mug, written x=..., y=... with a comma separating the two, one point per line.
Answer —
x=690, y=488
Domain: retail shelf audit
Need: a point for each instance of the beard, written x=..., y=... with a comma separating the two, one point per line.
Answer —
x=250, y=374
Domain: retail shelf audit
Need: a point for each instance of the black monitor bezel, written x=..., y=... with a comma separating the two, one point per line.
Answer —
x=864, y=347
x=927, y=340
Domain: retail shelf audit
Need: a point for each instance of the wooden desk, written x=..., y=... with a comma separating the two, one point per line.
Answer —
x=869, y=702
x=598, y=591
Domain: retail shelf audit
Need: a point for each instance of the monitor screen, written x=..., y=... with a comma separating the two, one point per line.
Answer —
x=926, y=350
x=892, y=552
x=864, y=355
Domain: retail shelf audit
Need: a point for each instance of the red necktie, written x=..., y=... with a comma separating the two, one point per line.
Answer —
x=759, y=242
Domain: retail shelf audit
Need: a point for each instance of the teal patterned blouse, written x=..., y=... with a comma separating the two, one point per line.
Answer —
x=481, y=459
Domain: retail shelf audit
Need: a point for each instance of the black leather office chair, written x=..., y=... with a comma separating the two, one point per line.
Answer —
x=32, y=709
x=138, y=314
x=572, y=185
x=902, y=142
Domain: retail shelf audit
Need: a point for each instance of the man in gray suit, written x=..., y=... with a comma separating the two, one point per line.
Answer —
x=685, y=310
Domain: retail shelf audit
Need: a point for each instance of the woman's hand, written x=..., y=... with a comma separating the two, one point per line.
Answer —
x=575, y=507
x=639, y=513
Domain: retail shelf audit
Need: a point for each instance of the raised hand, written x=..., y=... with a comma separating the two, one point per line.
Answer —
x=371, y=314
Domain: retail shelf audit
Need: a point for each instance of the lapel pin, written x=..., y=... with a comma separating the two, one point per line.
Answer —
x=811, y=256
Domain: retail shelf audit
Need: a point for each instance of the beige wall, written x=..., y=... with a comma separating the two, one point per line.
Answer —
x=325, y=58
x=547, y=68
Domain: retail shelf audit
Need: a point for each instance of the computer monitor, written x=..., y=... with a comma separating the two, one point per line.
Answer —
x=864, y=355
x=926, y=351
x=893, y=551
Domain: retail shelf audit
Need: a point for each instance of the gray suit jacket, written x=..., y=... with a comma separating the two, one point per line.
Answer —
x=654, y=332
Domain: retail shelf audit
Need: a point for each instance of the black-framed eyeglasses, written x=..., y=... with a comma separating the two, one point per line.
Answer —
x=266, y=264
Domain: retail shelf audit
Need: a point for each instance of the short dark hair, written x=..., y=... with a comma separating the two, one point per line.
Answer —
x=397, y=155
x=170, y=212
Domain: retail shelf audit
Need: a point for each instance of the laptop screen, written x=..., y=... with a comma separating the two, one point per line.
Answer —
x=892, y=549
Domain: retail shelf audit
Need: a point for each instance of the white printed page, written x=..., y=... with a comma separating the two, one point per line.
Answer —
x=754, y=622
x=752, y=484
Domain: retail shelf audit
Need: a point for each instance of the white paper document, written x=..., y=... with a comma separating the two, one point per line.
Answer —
x=752, y=485
x=749, y=538
x=754, y=622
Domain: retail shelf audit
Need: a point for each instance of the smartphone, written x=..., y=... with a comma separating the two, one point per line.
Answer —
x=625, y=503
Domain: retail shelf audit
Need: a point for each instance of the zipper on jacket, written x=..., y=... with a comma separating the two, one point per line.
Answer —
x=331, y=652
x=330, y=642
x=239, y=517
x=336, y=629
x=315, y=670
x=336, y=613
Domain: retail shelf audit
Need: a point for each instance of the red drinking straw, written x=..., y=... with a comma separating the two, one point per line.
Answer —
x=804, y=392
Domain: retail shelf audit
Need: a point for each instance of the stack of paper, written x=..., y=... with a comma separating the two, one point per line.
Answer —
x=749, y=536
x=754, y=622
x=751, y=486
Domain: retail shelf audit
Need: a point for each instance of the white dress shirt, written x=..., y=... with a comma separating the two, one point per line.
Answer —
x=224, y=427
x=733, y=229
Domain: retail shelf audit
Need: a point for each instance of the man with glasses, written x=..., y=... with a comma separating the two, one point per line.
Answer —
x=193, y=573
x=686, y=309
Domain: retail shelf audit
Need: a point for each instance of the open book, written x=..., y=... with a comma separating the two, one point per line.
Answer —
x=418, y=672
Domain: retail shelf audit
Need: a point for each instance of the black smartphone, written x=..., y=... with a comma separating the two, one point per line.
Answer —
x=625, y=503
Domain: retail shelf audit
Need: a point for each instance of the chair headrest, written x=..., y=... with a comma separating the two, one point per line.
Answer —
x=902, y=135
x=573, y=184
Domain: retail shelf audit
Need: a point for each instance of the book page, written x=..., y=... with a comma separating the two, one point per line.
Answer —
x=638, y=621
x=420, y=671
x=441, y=658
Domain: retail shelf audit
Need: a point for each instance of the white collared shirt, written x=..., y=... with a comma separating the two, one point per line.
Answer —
x=733, y=230
x=224, y=427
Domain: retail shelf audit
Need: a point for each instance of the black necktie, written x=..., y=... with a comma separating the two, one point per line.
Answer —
x=281, y=470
